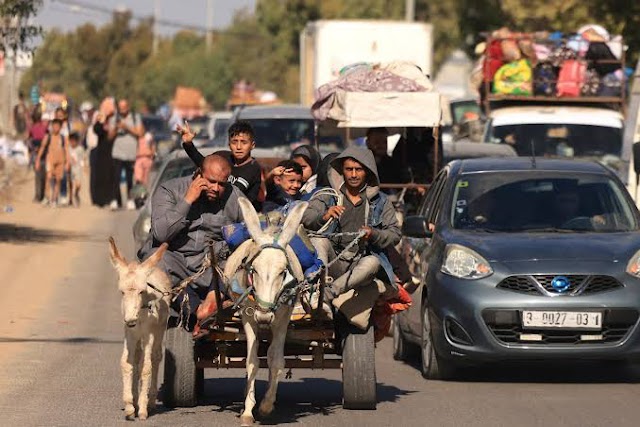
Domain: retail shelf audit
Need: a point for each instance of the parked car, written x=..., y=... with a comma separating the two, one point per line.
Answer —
x=463, y=119
x=162, y=135
x=279, y=129
x=176, y=165
x=522, y=259
x=200, y=125
x=219, y=124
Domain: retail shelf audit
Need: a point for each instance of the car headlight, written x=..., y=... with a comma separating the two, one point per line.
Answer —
x=633, y=267
x=464, y=263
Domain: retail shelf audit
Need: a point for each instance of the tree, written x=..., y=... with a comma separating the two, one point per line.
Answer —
x=17, y=32
x=126, y=61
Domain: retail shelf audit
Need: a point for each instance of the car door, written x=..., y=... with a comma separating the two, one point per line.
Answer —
x=418, y=251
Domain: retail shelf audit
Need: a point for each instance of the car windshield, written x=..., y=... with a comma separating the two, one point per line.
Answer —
x=541, y=201
x=603, y=143
x=199, y=126
x=465, y=111
x=220, y=127
x=278, y=132
x=175, y=169
x=155, y=125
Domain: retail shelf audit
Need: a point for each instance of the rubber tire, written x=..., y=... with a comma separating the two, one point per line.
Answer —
x=432, y=366
x=180, y=372
x=359, y=370
x=401, y=348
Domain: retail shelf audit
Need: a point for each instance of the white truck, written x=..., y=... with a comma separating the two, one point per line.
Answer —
x=328, y=46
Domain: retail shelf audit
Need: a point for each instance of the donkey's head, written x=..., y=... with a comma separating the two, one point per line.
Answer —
x=132, y=280
x=272, y=258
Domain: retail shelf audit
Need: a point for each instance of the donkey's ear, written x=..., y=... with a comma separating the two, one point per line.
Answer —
x=154, y=259
x=291, y=223
x=116, y=259
x=252, y=221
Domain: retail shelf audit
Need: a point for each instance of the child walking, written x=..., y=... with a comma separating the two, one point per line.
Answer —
x=144, y=159
x=55, y=151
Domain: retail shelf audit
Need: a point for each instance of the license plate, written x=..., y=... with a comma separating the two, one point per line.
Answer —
x=562, y=319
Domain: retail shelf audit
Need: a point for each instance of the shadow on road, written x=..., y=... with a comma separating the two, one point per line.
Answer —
x=11, y=233
x=548, y=372
x=296, y=400
x=70, y=340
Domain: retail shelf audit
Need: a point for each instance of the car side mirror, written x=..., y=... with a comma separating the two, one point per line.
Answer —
x=416, y=226
x=636, y=157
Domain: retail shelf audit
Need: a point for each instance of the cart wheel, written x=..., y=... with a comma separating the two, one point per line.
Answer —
x=359, y=370
x=180, y=373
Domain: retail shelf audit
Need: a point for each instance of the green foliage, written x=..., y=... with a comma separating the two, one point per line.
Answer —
x=16, y=30
x=262, y=47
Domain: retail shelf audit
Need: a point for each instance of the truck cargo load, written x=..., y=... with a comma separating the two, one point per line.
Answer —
x=554, y=95
x=326, y=47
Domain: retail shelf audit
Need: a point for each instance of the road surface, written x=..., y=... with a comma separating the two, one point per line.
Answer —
x=61, y=338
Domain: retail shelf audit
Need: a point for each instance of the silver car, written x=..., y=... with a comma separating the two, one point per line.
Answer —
x=522, y=259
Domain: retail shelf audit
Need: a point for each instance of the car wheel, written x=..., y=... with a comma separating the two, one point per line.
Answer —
x=401, y=348
x=432, y=366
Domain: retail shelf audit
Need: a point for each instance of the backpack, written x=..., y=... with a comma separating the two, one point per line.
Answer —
x=545, y=77
x=493, y=60
x=599, y=51
x=611, y=85
x=591, y=85
x=571, y=78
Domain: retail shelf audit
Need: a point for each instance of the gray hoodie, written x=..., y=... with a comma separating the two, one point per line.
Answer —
x=376, y=211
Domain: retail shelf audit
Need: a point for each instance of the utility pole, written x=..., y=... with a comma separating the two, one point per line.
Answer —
x=156, y=26
x=410, y=10
x=209, y=36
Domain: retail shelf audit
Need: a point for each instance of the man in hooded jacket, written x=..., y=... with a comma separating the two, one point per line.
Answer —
x=365, y=208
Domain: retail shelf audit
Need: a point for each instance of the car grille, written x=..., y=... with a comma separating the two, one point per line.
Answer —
x=506, y=326
x=578, y=284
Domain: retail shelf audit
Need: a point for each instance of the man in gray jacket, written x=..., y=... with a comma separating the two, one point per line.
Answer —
x=189, y=213
x=365, y=208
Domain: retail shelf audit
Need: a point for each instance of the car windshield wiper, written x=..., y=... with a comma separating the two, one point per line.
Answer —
x=550, y=230
x=484, y=230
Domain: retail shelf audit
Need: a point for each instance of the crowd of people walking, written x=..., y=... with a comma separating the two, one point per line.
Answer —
x=110, y=140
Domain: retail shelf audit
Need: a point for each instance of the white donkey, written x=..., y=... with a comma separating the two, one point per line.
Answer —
x=145, y=309
x=271, y=261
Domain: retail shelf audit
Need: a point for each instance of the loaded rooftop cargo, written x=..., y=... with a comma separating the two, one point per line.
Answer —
x=530, y=46
x=557, y=97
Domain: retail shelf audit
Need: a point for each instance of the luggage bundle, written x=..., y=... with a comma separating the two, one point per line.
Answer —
x=587, y=63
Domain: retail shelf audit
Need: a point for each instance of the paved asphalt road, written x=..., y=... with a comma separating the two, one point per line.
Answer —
x=68, y=375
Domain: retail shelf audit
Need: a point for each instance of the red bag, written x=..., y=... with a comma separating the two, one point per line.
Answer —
x=493, y=60
x=383, y=310
x=571, y=78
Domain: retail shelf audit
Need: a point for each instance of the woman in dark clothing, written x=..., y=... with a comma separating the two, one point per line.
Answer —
x=309, y=159
x=37, y=133
x=102, y=164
